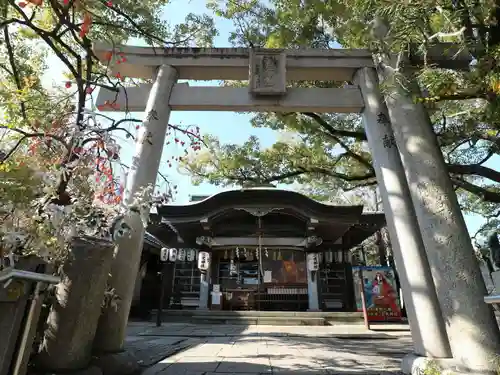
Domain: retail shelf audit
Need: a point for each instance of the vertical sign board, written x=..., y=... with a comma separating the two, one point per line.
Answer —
x=381, y=293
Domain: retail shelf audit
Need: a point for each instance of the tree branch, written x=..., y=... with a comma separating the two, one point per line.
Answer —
x=475, y=169
x=296, y=173
x=26, y=135
x=360, y=136
x=15, y=72
x=484, y=194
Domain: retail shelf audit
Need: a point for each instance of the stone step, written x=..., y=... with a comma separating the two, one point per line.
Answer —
x=262, y=317
x=253, y=313
x=207, y=319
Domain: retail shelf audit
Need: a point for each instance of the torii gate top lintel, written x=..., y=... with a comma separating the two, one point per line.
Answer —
x=267, y=70
x=233, y=63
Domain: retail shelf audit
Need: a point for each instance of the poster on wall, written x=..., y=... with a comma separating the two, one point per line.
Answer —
x=284, y=271
x=381, y=293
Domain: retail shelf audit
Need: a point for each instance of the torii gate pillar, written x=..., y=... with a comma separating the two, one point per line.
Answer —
x=424, y=314
x=471, y=325
x=111, y=332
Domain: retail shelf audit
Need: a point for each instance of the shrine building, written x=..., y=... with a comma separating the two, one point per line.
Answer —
x=258, y=241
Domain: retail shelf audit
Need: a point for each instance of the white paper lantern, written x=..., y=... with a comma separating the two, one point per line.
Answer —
x=312, y=262
x=168, y=255
x=232, y=268
x=203, y=260
x=181, y=255
x=190, y=254
x=164, y=254
x=172, y=254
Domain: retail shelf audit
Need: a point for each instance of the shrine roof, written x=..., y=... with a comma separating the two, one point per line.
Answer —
x=272, y=212
x=153, y=241
x=368, y=224
x=258, y=199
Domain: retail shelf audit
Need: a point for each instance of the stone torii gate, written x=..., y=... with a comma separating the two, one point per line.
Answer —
x=439, y=275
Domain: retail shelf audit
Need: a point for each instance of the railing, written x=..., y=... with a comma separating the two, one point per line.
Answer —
x=11, y=273
x=20, y=359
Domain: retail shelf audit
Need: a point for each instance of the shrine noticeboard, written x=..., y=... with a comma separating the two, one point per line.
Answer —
x=381, y=293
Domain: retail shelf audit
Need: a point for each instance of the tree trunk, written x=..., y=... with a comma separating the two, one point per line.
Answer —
x=73, y=318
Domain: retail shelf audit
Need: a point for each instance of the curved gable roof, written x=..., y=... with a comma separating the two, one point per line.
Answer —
x=258, y=198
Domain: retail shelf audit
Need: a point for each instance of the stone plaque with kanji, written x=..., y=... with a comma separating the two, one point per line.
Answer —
x=267, y=72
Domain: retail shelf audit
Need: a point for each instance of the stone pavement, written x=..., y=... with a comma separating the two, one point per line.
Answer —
x=188, y=349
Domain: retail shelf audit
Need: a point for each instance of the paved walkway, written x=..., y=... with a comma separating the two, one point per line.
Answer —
x=187, y=349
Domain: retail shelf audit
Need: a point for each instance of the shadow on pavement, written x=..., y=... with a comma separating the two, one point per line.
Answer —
x=267, y=354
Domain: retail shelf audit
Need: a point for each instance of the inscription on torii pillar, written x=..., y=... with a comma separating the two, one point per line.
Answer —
x=267, y=73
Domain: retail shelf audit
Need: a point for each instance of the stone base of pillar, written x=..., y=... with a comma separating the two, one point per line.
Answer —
x=495, y=276
x=93, y=370
x=123, y=363
x=413, y=364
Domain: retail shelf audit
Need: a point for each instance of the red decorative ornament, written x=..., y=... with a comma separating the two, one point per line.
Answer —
x=67, y=84
x=109, y=3
x=22, y=4
x=89, y=90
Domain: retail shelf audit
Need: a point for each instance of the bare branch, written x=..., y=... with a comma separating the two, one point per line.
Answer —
x=15, y=72
x=26, y=135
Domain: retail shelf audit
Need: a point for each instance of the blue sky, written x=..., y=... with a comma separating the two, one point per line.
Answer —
x=229, y=127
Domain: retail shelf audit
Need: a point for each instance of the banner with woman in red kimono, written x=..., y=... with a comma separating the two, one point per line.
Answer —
x=381, y=294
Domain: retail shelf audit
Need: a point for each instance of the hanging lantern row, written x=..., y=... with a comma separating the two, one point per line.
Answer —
x=173, y=255
x=244, y=252
x=181, y=255
x=190, y=255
